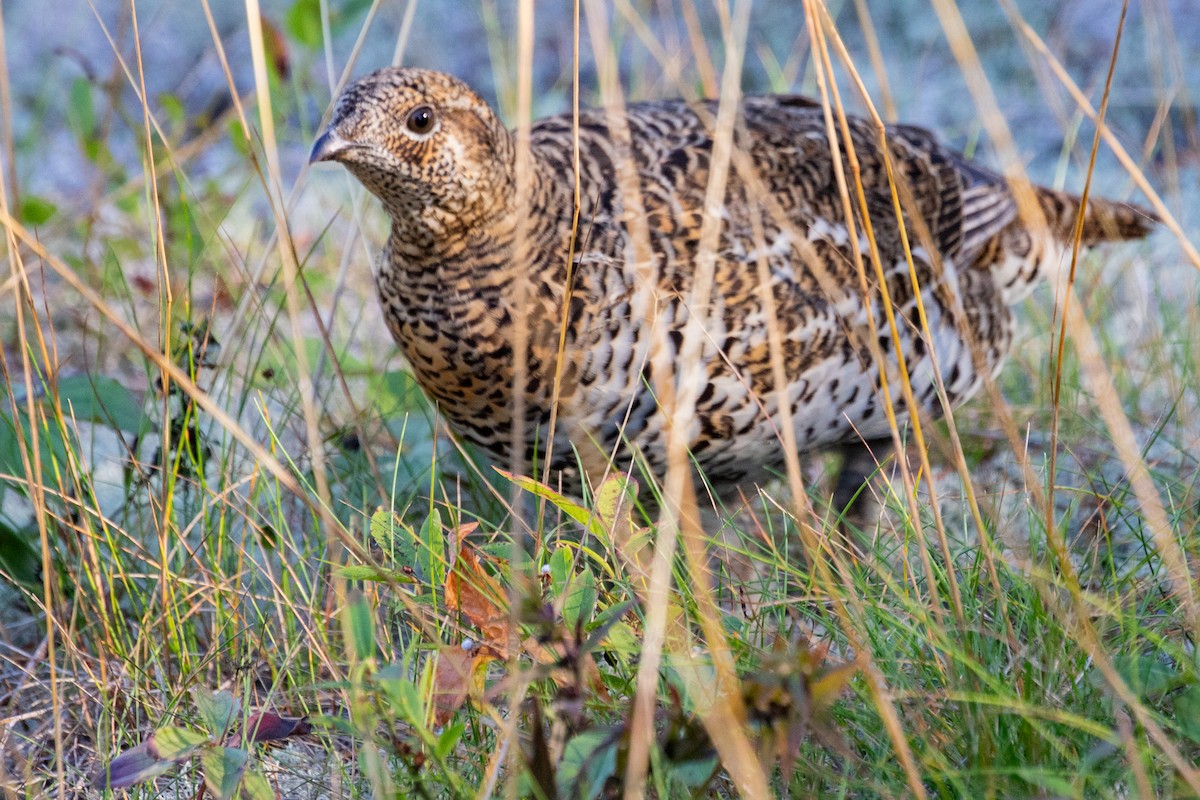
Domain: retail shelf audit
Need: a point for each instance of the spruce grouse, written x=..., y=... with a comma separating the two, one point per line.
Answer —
x=453, y=285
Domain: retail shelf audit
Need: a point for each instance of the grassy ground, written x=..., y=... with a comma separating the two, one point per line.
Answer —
x=220, y=492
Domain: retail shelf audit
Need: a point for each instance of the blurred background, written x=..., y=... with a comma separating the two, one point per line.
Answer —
x=54, y=57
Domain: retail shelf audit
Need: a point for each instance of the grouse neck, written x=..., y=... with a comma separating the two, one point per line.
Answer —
x=434, y=246
x=480, y=244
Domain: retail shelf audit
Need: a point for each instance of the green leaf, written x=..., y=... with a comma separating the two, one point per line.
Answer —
x=175, y=744
x=304, y=23
x=580, y=600
x=20, y=560
x=173, y=109
x=100, y=399
x=1146, y=675
x=563, y=503
x=432, y=558
x=383, y=525
x=404, y=695
x=359, y=628
x=81, y=111
x=36, y=210
x=1054, y=785
x=616, y=496
x=237, y=137
x=449, y=739
x=560, y=568
x=1187, y=712
x=255, y=787
x=92, y=148
x=622, y=640
x=587, y=762
x=395, y=392
x=365, y=572
x=283, y=358
x=10, y=442
x=217, y=709
x=15, y=436
x=223, y=769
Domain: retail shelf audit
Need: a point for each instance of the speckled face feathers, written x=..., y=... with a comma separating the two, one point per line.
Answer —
x=422, y=142
x=453, y=287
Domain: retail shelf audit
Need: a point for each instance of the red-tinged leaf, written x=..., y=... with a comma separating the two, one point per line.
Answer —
x=267, y=726
x=471, y=591
x=589, y=672
x=165, y=748
x=464, y=530
x=275, y=46
x=456, y=670
x=132, y=767
x=592, y=677
x=451, y=681
x=811, y=656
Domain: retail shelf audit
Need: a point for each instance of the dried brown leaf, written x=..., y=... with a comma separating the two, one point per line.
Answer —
x=474, y=593
x=457, y=669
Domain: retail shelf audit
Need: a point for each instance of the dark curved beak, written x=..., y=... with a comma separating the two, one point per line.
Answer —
x=329, y=147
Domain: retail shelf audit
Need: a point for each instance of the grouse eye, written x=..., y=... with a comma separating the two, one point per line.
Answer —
x=420, y=120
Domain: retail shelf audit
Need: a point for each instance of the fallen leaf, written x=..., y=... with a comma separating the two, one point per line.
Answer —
x=130, y=768
x=165, y=748
x=267, y=726
x=480, y=598
x=457, y=669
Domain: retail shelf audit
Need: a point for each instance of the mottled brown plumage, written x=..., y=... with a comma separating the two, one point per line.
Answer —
x=453, y=287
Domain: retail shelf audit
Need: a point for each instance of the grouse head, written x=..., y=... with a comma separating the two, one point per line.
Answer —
x=423, y=143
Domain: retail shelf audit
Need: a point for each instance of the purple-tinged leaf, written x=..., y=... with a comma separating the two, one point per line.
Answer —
x=165, y=748
x=267, y=726
x=130, y=768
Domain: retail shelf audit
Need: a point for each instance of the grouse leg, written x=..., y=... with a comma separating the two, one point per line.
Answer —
x=853, y=499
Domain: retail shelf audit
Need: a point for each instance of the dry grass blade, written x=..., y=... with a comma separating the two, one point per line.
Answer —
x=960, y=41
x=32, y=463
x=879, y=690
x=1020, y=628
x=1101, y=380
x=1110, y=138
x=902, y=199
x=273, y=185
x=264, y=457
x=889, y=309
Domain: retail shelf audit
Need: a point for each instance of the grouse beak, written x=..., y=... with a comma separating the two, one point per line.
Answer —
x=329, y=147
